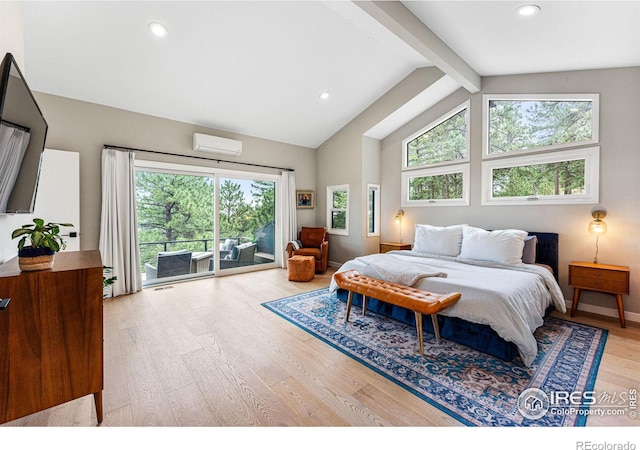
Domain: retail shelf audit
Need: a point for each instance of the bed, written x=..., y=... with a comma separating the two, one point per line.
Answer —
x=508, y=281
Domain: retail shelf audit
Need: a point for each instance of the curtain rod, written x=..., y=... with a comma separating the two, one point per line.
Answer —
x=129, y=149
x=15, y=125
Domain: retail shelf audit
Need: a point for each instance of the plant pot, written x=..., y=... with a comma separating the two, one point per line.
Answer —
x=30, y=258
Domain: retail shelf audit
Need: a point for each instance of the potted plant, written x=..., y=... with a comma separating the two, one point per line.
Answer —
x=107, y=281
x=45, y=241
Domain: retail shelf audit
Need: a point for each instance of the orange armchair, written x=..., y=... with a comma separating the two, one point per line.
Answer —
x=313, y=242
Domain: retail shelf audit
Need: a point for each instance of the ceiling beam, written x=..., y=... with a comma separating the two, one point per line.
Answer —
x=400, y=21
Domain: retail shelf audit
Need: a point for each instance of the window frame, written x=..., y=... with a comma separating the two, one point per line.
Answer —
x=375, y=211
x=591, y=155
x=464, y=168
x=443, y=118
x=331, y=209
x=595, y=121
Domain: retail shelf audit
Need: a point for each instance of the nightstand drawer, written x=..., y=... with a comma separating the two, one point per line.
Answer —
x=599, y=279
x=599, y=284
x=389, y=246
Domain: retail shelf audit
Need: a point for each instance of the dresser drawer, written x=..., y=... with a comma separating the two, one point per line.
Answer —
x=599, y=279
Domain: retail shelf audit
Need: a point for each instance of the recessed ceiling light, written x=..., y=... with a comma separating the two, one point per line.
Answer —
x=158, y=29
x=324, y=95
x=528, y=10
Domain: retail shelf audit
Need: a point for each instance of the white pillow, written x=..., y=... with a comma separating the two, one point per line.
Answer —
x=444, y=241
x=499, y=246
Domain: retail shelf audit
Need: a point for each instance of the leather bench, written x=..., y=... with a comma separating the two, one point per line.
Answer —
x=416, y=300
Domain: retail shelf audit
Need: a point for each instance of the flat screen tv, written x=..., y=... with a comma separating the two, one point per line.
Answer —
x=23, y=131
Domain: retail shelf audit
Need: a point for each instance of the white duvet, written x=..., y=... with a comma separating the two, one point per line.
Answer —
x=511, y=299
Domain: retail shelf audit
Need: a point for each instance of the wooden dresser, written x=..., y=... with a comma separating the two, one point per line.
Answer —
x=52, y=334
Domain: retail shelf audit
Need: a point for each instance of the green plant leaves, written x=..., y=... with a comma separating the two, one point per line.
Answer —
x=41, y=234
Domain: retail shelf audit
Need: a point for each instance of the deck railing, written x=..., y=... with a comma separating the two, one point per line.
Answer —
x=201, y=245
x=149, y=250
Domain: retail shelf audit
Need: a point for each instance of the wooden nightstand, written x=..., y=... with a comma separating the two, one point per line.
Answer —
x=600, y=278
x=388, y=246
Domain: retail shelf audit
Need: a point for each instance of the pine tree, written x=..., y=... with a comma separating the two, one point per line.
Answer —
x=172, y=208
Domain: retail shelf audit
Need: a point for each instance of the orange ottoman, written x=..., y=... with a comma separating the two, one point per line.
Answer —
x=301, y=268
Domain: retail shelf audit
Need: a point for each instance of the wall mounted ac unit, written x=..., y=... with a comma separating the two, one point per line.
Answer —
x=215, y=144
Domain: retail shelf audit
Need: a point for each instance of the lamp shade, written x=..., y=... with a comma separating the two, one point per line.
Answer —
x=399, y=215
x=597, y=227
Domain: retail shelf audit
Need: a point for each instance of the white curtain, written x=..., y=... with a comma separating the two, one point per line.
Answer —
x=13, y=145
x=119, y=224
x=289, y=221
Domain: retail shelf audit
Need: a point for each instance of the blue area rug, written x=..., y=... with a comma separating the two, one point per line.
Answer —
x=474, y=388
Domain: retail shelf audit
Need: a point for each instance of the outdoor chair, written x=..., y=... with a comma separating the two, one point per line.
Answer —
x=227, y=246
x=169, y=264
x=240, y=255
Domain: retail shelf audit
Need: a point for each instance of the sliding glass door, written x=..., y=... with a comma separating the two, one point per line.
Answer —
x=194, y=223
x=247, y=222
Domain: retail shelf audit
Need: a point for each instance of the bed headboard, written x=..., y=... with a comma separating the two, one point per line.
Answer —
x=547, y=250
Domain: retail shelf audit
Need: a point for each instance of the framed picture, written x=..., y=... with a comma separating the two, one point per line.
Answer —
x=305, y=199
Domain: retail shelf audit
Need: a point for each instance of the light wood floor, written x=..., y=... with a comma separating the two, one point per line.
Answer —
x=206, y=354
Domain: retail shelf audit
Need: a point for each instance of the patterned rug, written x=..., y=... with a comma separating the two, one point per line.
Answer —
x=475, y=388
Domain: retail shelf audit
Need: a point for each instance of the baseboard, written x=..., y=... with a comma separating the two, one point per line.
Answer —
x=603, y=311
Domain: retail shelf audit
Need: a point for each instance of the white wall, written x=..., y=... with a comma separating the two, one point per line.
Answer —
x=58, y=197
x=619, y=91
x=11, y=41
x=57, y=200
x=12, y=31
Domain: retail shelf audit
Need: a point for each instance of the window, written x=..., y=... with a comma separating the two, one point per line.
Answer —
x=432, y=174
x=525, y=149
x=445, y=140
x=373, y=210
x=569, y=176
x=446, y=185
x=338, y=209
x=516, y=123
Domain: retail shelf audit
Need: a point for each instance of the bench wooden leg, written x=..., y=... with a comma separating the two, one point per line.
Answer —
x=349, y=301
x=364, y=305
x=419, y=331
x=436, y=327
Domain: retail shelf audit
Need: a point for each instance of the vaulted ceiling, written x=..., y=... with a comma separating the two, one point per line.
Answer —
x=258, y=68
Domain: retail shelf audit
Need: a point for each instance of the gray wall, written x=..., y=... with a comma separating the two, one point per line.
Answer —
x=344, y=159
x=85, y=127
x=370, y=175
x=619, y=91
